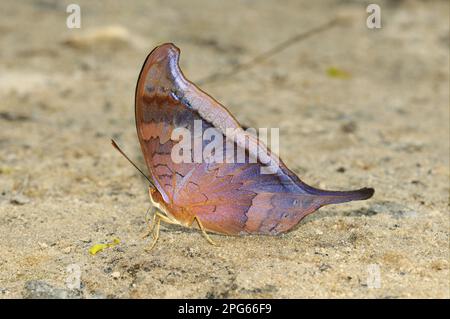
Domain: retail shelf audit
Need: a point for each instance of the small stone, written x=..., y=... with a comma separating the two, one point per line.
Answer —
x=324, y=267
x=341, y=170
x=115, y=275
x=349, y=127
x=36, y=289
x=43, y=245
x=19, y=199
x=67, y=250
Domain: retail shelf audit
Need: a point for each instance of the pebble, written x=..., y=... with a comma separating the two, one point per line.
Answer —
x=115, y=275
x=37, y=289
x=19, y=199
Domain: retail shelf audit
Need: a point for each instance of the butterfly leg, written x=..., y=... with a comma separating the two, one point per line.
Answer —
x=157, y=218
x=205, y=234
x=147, y=221
x=155, y=232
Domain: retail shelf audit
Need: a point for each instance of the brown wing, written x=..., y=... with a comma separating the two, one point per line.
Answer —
x=229, y=198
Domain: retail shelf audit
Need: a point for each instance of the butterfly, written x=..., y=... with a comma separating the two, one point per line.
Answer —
x=226, y=197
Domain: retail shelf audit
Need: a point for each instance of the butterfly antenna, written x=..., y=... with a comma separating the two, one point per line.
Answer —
x=114, y=144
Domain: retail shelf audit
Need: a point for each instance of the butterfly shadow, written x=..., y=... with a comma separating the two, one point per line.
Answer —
x=324, y=213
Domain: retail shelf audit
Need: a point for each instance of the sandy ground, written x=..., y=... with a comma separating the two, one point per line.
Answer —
x=355, y=107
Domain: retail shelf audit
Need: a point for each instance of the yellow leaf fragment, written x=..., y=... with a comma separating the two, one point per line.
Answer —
x=99, y=247
x=335, y=72
x=6, y=170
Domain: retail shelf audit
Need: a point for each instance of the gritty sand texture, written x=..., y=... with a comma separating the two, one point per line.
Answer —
x=355, y=107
